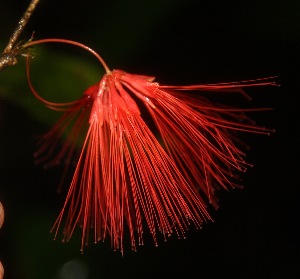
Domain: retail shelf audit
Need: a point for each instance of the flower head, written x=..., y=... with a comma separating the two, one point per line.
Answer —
x=129, y=177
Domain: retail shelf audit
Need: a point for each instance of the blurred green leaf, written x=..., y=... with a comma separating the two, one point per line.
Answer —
x=57, y=76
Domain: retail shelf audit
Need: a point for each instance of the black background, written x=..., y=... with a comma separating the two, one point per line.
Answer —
x=255, y=233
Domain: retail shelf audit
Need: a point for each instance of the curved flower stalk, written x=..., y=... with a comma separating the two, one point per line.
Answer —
x=130, y=178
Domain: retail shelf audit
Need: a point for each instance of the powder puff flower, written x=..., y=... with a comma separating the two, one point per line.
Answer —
x=130, y=179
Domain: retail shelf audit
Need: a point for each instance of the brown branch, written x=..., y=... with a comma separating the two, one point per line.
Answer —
x=13, y=49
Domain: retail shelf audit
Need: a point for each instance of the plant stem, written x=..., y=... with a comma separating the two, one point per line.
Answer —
x=8, y=56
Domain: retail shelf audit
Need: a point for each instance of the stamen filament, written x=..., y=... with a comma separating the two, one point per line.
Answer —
x=70, y=42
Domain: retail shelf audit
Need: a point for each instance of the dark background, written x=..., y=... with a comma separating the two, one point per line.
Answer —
x=255, y=233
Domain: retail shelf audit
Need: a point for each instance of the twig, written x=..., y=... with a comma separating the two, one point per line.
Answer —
x=13, y=49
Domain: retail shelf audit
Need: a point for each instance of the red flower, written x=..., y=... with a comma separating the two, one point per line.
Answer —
x=129, y=177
